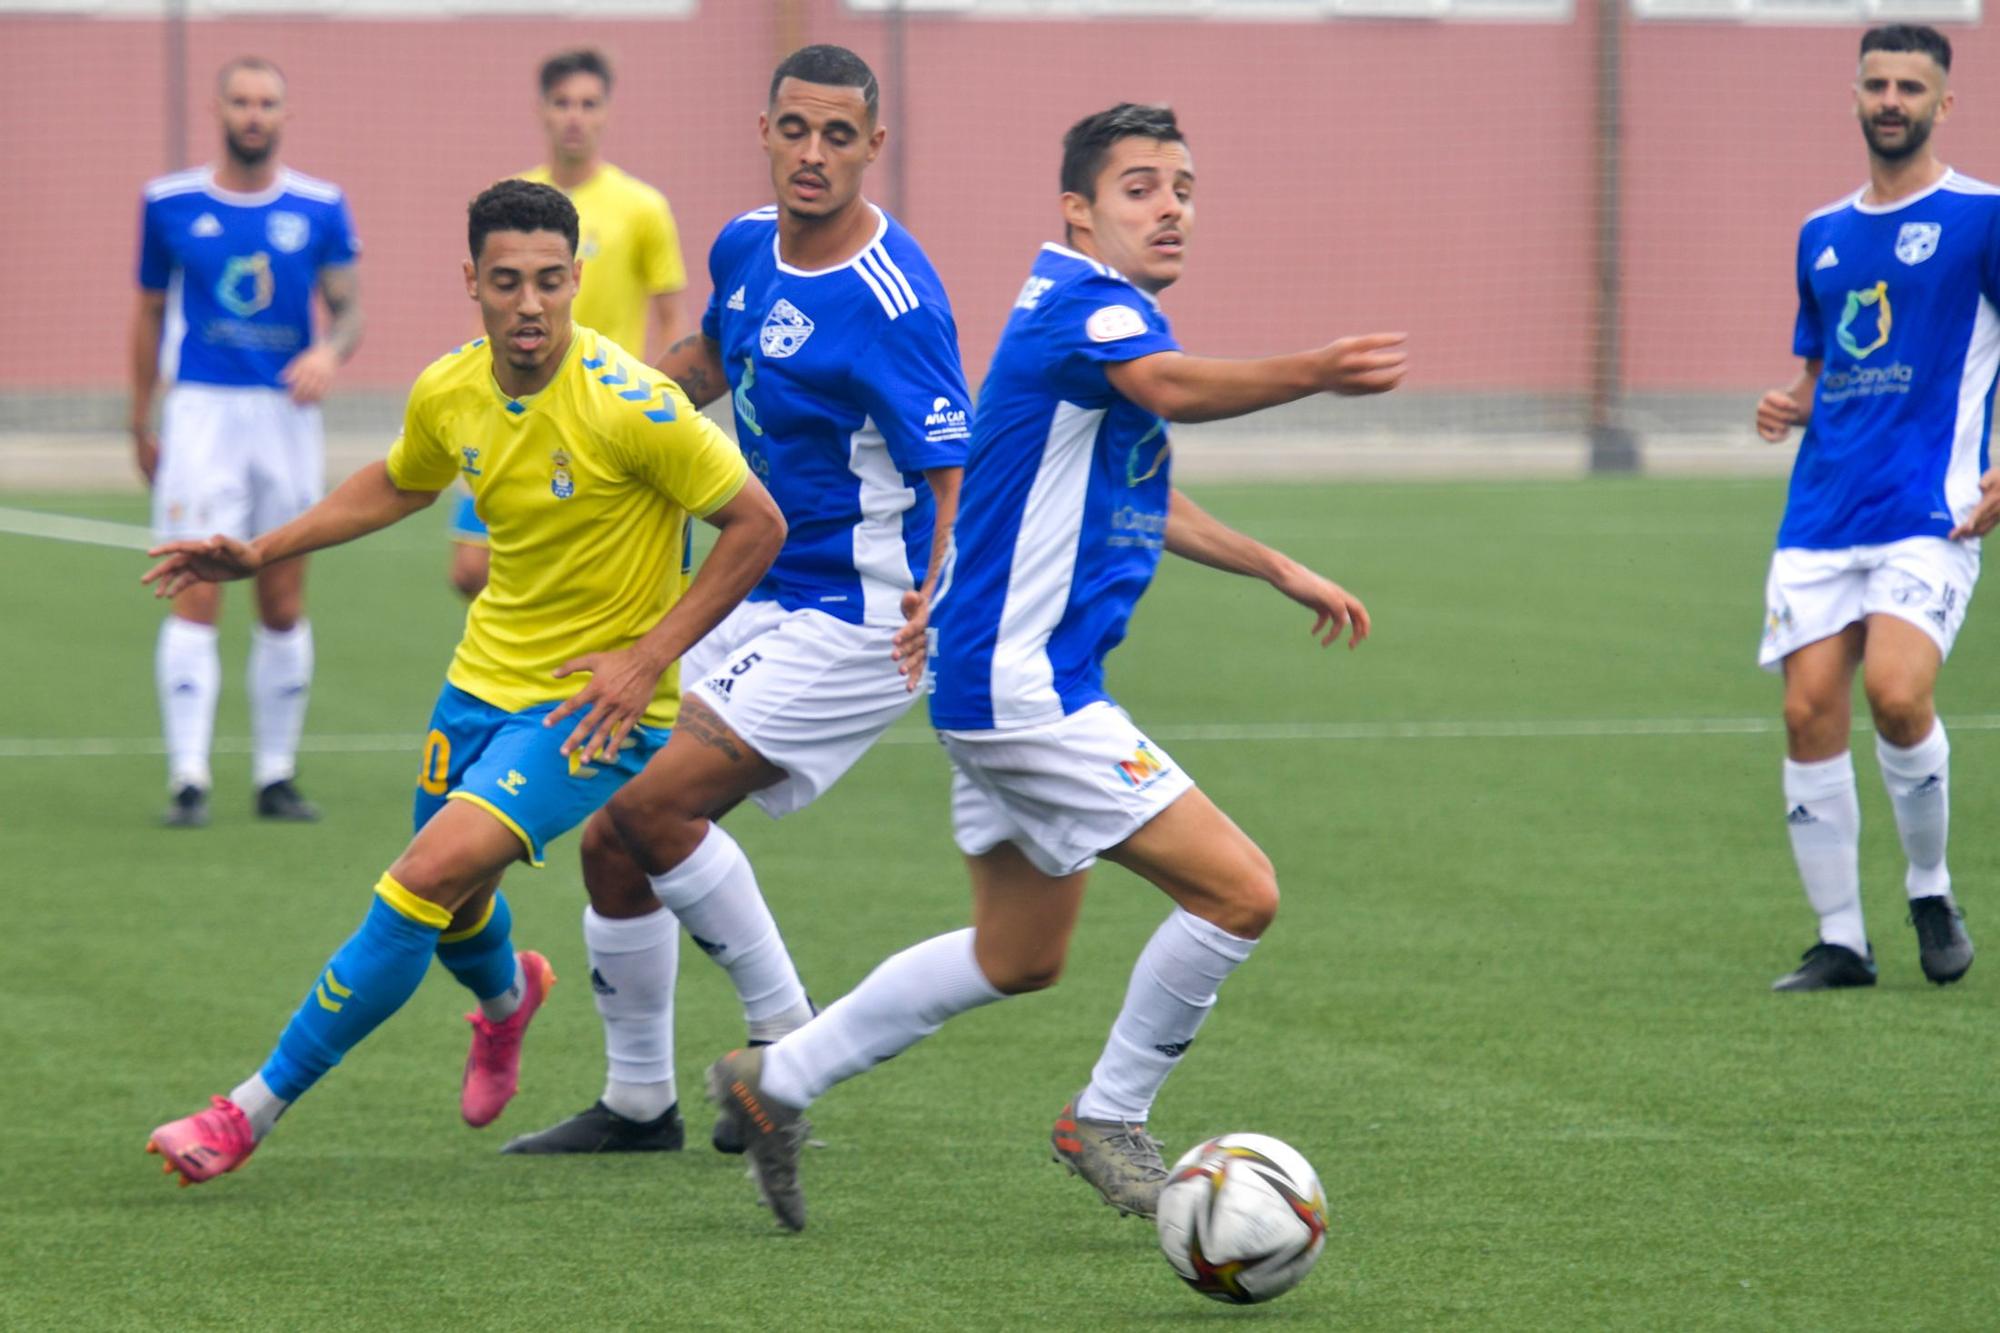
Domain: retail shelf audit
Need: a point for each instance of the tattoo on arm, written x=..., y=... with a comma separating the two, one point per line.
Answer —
x=340, y=288
x=695, y=355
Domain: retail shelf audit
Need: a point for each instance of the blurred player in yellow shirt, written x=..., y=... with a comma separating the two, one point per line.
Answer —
x=633, y=274
x=590, y=465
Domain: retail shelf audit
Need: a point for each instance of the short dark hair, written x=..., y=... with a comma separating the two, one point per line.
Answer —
x=583, y=60
x=261, y=64
x=1089, y=141
x=834, y=66
x=1916, y=37
x=518, y=205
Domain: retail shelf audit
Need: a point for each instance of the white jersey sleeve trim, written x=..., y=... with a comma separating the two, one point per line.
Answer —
x=1043, y=571
x=1844, y=202
x=1982, y=361
x=874, y=284
x=880, y=557
x=179, y=182
x=886, y=265
x=768, y=213
x=1959, y=183
x=312, y=187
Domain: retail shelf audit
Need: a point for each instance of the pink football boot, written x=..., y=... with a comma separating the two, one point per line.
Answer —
x=493, y=1066
x=206, y=1144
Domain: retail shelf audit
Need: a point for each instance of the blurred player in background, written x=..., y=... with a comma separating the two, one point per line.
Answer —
x=630, y=248
x=1878, y=553
x=589, y=464
x=828, y=322
x=229, y=258
x=1067, y=508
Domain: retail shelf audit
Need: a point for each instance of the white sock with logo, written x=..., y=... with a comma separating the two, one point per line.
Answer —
x=633, y=964
x=1172, y=989
x=1823, y=815
x=187, y=668
x=281, y=668
x=714, y=893
x=905, y=999
x=1919, y=781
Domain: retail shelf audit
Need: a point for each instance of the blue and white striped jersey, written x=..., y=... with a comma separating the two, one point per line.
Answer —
x=1063, y=514
x=1900, y=302
x=239, y=271
x=847, y=386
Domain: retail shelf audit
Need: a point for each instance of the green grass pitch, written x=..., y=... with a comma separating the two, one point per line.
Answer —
x=1514, y=1008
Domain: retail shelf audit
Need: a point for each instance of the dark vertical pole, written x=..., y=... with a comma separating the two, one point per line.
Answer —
x=898, y=78
x=1612, y=447
x=174, y=57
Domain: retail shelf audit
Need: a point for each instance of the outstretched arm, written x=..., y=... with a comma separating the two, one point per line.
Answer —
x=1781, y=409
x=695, y=363
x=364, y=503
x=1195, y=534
x=1180, y=387
x=750, y=531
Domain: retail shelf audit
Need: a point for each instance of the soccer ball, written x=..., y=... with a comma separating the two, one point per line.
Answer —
x=1242, y=1218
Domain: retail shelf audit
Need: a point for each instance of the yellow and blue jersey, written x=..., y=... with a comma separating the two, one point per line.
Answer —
x=586, y=489
x=630, y=249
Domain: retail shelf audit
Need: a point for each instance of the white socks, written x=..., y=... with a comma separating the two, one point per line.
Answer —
x=188, y=671
x=499, y=1008
x=896, y=1006
x=281, y=667
x=633, y=965
x=1824, y=819
x=1919, y=783
x=260, y=1106
x=714, y=893
x=1172, y=989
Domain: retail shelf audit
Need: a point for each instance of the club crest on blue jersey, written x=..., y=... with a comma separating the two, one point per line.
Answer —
x=1918, y=241
x=785, y=330
x=287, y=231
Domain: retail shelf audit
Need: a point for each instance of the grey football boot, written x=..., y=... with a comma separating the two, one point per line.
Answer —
x=1121, y=1162
x=1943, y=947
x=773, y=1133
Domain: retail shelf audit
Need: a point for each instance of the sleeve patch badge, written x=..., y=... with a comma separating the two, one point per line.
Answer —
x=1107, y=324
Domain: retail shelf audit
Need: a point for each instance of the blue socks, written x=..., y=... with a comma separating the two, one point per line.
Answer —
x=370, y=978
x=482, y=958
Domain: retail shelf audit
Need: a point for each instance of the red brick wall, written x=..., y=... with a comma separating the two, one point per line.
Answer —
x=1431, y=177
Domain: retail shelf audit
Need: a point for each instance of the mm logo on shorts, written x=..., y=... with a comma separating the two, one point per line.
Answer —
x=1143, y=769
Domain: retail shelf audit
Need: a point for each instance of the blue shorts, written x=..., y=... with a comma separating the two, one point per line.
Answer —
x=466, y=525
x=514, y=767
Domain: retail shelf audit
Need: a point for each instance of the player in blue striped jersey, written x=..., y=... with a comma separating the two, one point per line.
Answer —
x=1878, y=553
x=832, y=334
x=230, y=257
x=1067, y=509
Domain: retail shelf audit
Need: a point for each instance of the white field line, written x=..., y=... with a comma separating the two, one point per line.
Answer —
x=1239, y=733
x=63, y=528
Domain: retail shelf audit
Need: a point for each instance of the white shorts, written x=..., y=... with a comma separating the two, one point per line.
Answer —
x=1814, y=595
x=235, y=461
x=1061, y=792
x=806, y=691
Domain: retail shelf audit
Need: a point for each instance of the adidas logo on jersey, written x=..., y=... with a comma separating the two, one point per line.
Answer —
x=205, y=225
x=1827, y=259
x=735, y=301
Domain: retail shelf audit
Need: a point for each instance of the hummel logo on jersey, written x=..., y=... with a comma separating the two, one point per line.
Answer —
x=1827, y=259
x=600, y=985
x=735, y=301
x=1800, y=817
x=205, y=225
x=785, y=331
x=513, y=782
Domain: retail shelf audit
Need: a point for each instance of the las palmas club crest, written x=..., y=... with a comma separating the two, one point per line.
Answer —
x=1917, y=241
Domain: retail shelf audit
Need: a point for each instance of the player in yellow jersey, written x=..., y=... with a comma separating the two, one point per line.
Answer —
x=633, y=274
x=588, y=465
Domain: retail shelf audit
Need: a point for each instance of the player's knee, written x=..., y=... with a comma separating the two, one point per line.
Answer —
x=1025, y=975
x=657, y=832
x=1252, y=903
x=1902, y=710
x=1807, y=716
x=616, y=885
